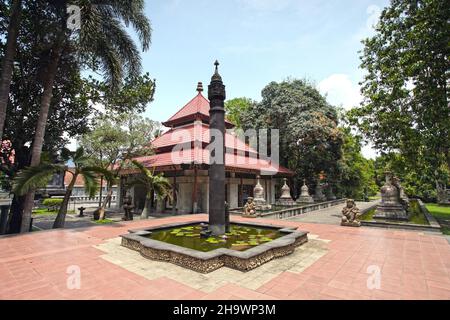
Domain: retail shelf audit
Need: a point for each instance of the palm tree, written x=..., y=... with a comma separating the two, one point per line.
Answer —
x=103, y=44
x=38, y=176
x=8, y=60
x=151, y=182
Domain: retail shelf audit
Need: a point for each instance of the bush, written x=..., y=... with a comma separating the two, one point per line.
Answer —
x=52, y=203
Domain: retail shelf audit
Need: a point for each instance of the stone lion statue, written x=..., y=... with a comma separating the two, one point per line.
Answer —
x=350, y=214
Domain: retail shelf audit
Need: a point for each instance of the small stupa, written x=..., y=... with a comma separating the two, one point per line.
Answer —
x=285, y=198
x=394, y=203
x=304, y=194
x=259, y=196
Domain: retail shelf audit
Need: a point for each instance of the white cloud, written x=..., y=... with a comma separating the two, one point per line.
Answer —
x=368, y=30
x=340, y=90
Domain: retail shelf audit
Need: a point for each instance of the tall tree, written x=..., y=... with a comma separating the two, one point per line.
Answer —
x=310, y=141
x=405, y=89
x=103, y=44
x=114, y=141
x=236, y=107
x=8, y=60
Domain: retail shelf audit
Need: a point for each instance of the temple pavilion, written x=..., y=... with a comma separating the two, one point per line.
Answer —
x=181, y=153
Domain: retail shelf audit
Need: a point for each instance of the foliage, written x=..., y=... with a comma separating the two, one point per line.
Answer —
x=417, y=178
x=357, y=174
x=236, y=107
x=37, y=176
x=310, y=141
x=151, y=182
x=405, y=108
x=52, y=202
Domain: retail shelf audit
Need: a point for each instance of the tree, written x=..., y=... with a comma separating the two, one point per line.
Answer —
x=38, y=176
x=236, y=107
x=8, y=60
x=405, y=108
x=68, y=113
x=115, y=140
x=152, y=182
x=310, y=141
x=103, y=45
x=356, y=173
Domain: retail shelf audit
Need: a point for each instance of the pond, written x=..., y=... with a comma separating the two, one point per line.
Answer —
x=416, y=215
x=240, y=237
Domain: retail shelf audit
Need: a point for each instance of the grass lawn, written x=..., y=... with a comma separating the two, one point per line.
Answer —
x=104, y=221
x=46, y=212
x=442, y=214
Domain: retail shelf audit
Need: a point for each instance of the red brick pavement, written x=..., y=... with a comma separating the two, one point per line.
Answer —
x=413, y=265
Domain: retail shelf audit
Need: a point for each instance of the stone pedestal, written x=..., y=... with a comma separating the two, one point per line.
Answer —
x=391, y=206
x=285, y=198
x=259, y=196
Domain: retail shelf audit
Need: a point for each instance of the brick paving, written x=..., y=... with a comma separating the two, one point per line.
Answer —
x=413, y=265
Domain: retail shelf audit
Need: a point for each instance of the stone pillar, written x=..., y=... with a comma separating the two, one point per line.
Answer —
x=216, y=172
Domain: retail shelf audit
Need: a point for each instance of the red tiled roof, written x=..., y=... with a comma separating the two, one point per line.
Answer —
x=79, y=182
x=197, y=132
x=201, y=156
x=197, y=107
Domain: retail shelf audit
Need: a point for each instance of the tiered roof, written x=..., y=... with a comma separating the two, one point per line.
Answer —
x=185, y=143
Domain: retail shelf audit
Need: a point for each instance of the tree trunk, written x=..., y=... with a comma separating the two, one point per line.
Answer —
x=101, y=192
x=145, y=211
x=61, y=217
x=8, y=60
x=107, y=199
x=38, y=141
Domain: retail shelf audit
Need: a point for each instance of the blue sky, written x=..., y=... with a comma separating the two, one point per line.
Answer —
x=256, y=41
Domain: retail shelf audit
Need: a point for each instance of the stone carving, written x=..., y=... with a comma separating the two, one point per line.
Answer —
x=329, y=194
x=249, y=208
x=259, y=197
x=394, y=202
x=127, y=207
x=285, y=198
x=304, y=194
x=318, y=193
x=350, y=214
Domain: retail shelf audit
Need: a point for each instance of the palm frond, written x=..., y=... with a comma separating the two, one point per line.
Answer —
x=34, y=177
x=90, y=182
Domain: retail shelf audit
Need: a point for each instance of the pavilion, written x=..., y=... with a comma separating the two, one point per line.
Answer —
x=181, y=154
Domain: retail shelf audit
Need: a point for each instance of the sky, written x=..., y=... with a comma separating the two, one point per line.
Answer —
x=256, y=42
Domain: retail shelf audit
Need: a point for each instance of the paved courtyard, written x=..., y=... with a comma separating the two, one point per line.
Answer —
x=334, y=264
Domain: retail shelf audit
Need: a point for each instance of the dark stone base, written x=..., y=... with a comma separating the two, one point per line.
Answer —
x=351, y=224
x=394, y=212
x=286, y=202
x=205, y=262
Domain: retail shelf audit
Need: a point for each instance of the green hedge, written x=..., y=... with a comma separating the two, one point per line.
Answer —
x=52, y=202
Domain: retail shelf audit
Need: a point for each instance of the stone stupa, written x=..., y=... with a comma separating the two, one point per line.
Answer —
x=394, y=203
x=285, y=198
x=304, y=194
x=259, y=196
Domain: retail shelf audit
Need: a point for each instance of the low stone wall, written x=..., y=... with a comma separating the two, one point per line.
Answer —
x=205, y=262
x=298, y=210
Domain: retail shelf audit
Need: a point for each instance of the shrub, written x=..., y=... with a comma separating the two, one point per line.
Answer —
x=52, y=203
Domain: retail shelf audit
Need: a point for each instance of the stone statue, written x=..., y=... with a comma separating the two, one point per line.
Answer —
x=127, y=207
x=249, y=208
x=304, y=194
x=350, y=214
x=285, y=198
x=394, y=202
x=259, y=196
x=318, y=193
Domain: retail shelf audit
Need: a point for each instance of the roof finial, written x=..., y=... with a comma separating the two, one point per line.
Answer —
x=216, y=75
x=199, y=87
